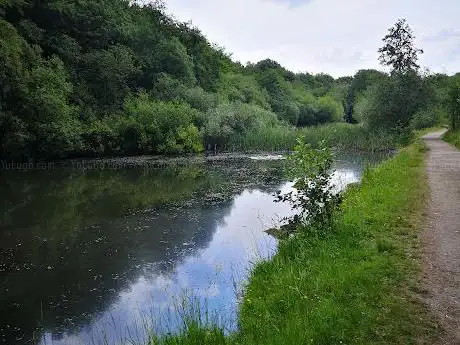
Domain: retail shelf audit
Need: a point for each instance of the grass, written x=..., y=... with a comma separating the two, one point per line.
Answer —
x=453, y=137
x=355, y=283
x=277, y=138
x=342, y=136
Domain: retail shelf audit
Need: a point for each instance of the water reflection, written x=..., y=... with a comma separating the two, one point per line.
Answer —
x=86, y=255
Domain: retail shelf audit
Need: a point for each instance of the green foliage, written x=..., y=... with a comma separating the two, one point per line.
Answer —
x=235, y=119
x=328, y=110
x=427, y=118
x=148, y=127
x=71, y=70
x=200, y=99
x=399, y=51
x=319, y=285
x=393, y=102
x=362, y=80
x=313, y=197
x=168, y=127
x=105, y=77
x=100, y=138
x=280, y=94
x=168, y=88
x=347, y=137
x=175, y=60
x=243, y=88
x=453, y=102
x=276, y=138
x=453, y=137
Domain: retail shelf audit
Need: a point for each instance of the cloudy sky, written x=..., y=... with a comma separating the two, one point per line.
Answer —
x=338, y=37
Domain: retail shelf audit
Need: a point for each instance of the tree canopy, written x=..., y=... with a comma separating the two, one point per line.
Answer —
x=399, y=50
x=85, y=78
x=115, y=77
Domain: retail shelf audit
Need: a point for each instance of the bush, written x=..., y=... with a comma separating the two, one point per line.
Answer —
x=244, y=89
x=289, y=112
x=169, y=126
x=147, y=127
x=426, y=118
x=307, y=115
x=328, y=110
x=131, y=136
x=393, y=102
x=168, y=88
x=320, y=110
x=235, y=119
x=100, y=138
x=361, y=108
x=313, y=197
x=200, y=99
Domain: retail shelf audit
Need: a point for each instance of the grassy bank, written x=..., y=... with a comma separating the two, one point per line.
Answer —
x=355, y=283
x=350, y=284
x=453, y=137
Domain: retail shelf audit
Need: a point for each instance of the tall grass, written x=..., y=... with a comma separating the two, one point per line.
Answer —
x=341, y=136
x=279, y=138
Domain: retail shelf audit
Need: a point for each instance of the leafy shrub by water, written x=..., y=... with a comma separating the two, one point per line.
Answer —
x=313, y=195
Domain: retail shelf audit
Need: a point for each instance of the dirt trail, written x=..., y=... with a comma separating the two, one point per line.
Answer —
x=441, y=237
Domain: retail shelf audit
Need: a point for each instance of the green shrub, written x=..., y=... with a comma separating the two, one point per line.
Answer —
x=200, y=99
x=307, y=115
x=289, y=112
x=313, y=196
x=169, y=126
x=328, y=110
x=313, y=111
x=244, y=89
x=235, y=119
x=393, y=102
x=100, y=138
x=453, y=137
x=131, y=136
x=426, y=118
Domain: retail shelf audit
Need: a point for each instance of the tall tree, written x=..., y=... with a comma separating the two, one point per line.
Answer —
x=399, y=50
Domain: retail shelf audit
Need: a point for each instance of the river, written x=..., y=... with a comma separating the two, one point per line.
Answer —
x=93, y=254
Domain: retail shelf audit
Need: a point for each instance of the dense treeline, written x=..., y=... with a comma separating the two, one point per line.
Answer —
x=112, y=77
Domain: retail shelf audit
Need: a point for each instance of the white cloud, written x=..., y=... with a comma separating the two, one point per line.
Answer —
x=332, y=36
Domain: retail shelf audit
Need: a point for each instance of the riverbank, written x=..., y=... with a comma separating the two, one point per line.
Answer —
x=356, y=283
x=342, y=137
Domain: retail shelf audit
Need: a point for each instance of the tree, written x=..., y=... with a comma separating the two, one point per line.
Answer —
x=70, y=71
x=399, y=50
x=393, y=101
x=362, y=80
x=454, y=102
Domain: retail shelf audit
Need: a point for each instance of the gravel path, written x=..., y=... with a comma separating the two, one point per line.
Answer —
x=441, y=237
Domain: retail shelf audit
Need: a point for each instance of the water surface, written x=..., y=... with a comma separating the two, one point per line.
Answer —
x=90, y=255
